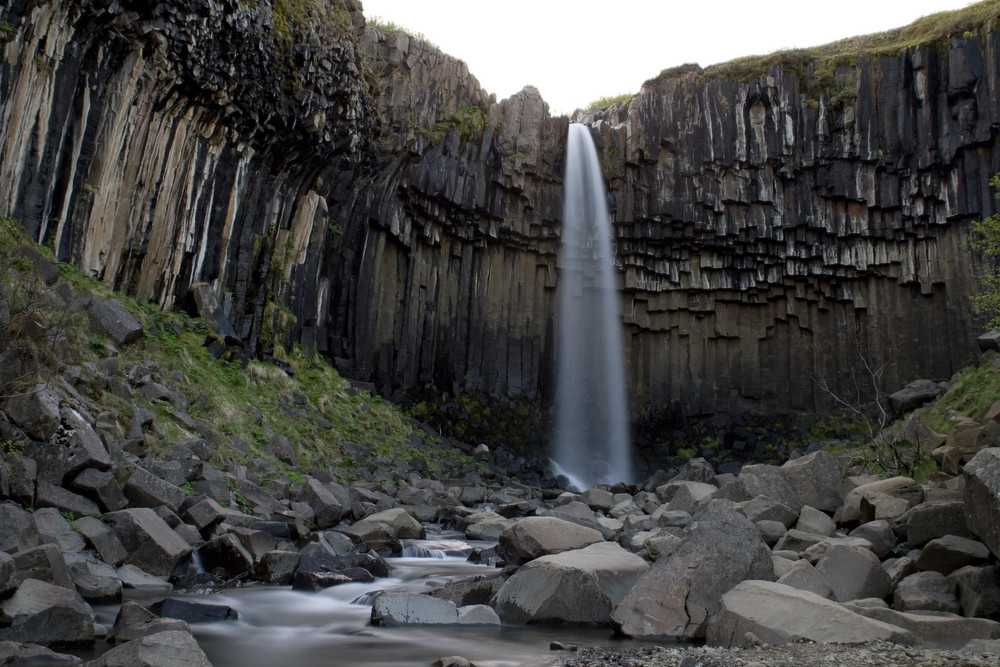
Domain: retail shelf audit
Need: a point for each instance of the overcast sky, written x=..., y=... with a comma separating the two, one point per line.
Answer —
x=577, y=52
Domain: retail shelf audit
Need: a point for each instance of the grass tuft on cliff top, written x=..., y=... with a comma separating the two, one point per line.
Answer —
x=934, y=29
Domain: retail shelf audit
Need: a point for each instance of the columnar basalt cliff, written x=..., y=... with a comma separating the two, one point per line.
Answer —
x=359, y=193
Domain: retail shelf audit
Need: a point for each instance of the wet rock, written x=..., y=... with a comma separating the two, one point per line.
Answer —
x=134, y=621
x=276, y=567
x=193, y=612
x=227, y=554
x=162, y=648
x=19, y=653
x=391, y=609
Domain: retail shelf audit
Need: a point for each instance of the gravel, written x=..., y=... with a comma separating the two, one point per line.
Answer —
x=880, y=654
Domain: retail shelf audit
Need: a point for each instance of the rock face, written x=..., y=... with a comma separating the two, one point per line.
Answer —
x=769, y=223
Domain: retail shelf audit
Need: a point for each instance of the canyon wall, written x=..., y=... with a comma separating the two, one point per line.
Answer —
x=357, y=192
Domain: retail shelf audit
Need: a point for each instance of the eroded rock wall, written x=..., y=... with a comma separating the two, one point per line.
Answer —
x=359, y=193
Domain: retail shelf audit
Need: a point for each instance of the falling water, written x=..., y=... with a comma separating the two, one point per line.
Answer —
x=591, y=441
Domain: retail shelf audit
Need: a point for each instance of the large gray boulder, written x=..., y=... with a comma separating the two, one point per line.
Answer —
x=862, y=503
x=853, y=573
x=926, y=591
x=536, y=536
x=777, y=614
x=399, y=521
x=36, y=412
x=328, y=506
x=162, y=649
x=933, y=630
x=577, y=587
x=677, y=595
x=144, y=489
x=114, y=320
x=94, y=579
x=813, y=480
x=46, y=614
x=44, y=562
x=951, y=552
x=153, y=546
x=982, y=497
x=392, y=609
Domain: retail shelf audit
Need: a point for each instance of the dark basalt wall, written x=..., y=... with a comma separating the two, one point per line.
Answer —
x=359, y=193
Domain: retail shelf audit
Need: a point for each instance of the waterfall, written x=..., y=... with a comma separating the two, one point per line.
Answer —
x=591, y=438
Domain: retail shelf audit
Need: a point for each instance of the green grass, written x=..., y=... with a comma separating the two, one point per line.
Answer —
x=970, y=392
x=602, y=102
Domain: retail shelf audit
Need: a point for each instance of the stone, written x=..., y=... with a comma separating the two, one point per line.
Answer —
x=102, y=539
x=160, y=649
x=982, y=497
x=928, y=521
x=193, y=612
x=227, y=554
x=44, y=563
x=59, y=498
x=101, y=487
x=152, y=545
x=978, y=590
x=598, y=499
x=329, y=509
x=814, y=521
x=777, y=614
x=933, y=630
x=685, y=495
x=947, y=554
x=8, y=580
x=17, y=529
x=771, y=531
x=532, y=537
x=204, y=515
x=96, y=581
x=133, y=577
x=134, y=621
x=484, y=525
x=797, y=541
x=257, y=542
x=392, y=609
x=144, y=489
x=853, y=510
x=112, y=318
x=853, y=573
x=581, y=586
x=55, y=529
x=812, y=480
x=399, y=521
x=764, y=508
x=478, y=614
x=276, y=567
x=678, y=594
x=801, y=575
x=926, y=591
x=36, y=412
x=18, y=653
x=879, y=534
x=46, y=614
x=913, y=396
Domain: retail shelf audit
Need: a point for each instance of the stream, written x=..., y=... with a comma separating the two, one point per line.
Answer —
x=280, y=626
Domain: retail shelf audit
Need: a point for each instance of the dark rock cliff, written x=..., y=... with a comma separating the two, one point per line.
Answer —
x=359, y=193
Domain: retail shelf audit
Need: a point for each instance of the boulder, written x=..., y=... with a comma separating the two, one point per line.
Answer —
x=982, y=497
x=536, y=536
x=812, y=520
x=102, y=539
x=44, y=562
x=928, y=521
x=64, y=500
x=813, y=480
x=326, y=504
x=134, y=621
x=8, y=578
x=36, y=412
x=578, y=513
x=392, y=609
x=978, y=590
x=685, y=495
x=963, y=442
x=55, y=529
x=276, y=567
x=598, y=499
x=101, y=487
x=478, y=614
x=484, y=526
x=18, y=653
x=114, y=320
x=204, y=515
x=913, y=396
x=174, y=647
x=576, y=587
x=853, y=573
x=765, y=508
x=399, y=520
x=804, y=577
x=42, y=613
x=135, y=578
x=879, y=534
x=144, y=489
x=193, y=612
x=152, y=545
x=926, y=591
x=678, y=594
x=860, y=503
x=96, y=581
x=776, y=614
x=936, y=631
x=947, y=554
x=227, y=554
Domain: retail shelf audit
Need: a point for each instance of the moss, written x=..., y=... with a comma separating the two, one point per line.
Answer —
x=602, y=102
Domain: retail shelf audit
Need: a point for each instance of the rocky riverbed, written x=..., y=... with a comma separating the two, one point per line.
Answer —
x=114, y=494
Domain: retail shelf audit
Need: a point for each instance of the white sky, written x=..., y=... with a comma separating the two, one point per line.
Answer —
x=577, y=52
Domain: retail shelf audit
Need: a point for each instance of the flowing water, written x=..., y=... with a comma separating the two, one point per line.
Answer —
x=591, y=438
x=279, y=626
